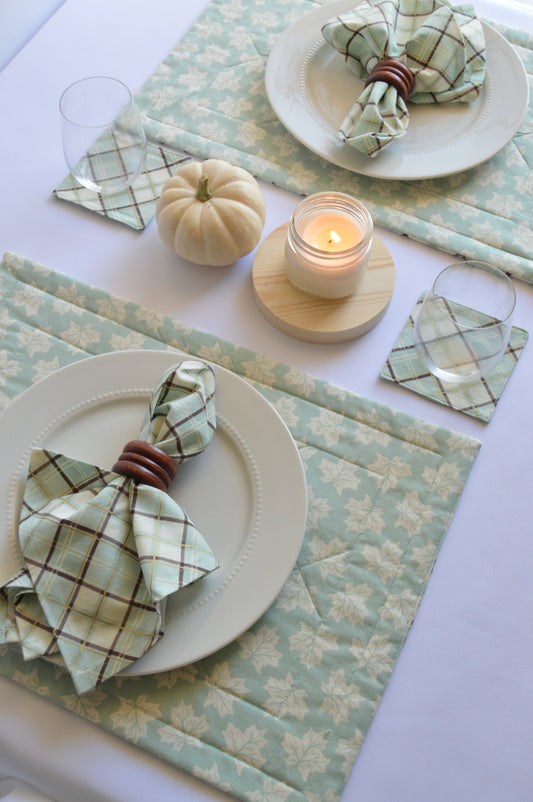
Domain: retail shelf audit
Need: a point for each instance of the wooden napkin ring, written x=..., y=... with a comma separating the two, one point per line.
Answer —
x=146, y=464
x=395, y=73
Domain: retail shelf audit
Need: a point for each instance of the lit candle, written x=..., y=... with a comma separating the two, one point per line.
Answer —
x=332, y=232
x=328, y=244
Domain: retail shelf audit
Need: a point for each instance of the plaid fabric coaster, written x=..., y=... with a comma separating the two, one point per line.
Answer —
x=134, y=206
x=478, y=398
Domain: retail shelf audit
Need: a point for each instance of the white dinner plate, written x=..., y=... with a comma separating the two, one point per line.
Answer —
x=246, y=492
x=312, y=90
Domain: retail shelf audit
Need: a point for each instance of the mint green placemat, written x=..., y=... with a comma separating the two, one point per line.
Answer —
x=281, y=713
x=208, y=98
x=476, y=398
x=134, y=206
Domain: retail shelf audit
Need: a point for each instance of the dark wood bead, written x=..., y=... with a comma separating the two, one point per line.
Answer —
x=153, y=453
x=139, y=474
x=394, y=73
x=146, y=464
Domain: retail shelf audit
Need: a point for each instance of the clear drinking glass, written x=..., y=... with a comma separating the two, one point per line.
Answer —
x=103, y=137
x=464, y=323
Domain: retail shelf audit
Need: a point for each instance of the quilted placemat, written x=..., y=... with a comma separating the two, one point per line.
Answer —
x=134, y=206
x=477, y=398
x=208, y=98
x=279, y=714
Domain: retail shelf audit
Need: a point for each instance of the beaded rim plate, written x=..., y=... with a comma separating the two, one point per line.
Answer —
x=246, y=492
x=311, y=90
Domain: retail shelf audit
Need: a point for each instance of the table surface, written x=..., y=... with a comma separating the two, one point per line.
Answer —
x=456, y=721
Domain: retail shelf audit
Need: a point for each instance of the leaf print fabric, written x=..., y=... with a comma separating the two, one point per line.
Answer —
x=306, y=753
x=185, y=727
x=285, y=699
x=350, y=604
x=134, y=716
x=281, y=713
x=215, y=105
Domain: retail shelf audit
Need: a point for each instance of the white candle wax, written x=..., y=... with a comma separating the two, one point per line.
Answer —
x=328, y=244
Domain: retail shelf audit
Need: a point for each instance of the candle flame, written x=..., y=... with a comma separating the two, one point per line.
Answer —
x=334, y=237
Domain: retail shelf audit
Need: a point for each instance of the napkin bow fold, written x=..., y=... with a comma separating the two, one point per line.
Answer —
x=440, y=46
x=101, y=550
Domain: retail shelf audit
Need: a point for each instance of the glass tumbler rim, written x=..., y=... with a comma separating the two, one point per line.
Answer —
x=488, y=268
x=87, y=78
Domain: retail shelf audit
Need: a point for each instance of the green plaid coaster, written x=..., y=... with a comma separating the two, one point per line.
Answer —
x=477, y=398
x=134, y=206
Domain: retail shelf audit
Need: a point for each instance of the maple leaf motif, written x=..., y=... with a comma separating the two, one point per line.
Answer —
x=260, y=647
x=307, y=753
x=134, y=716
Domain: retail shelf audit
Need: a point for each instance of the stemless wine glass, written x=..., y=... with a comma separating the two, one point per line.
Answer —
x=103, y=137
x=464, y=323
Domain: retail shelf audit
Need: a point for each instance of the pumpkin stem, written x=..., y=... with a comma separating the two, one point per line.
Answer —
x=202, y=193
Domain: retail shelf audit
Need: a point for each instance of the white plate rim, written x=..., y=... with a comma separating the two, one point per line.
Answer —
x=297, y=44
x=278, y=527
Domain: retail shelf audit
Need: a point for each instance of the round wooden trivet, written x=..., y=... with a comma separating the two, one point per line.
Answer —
x=320, y=320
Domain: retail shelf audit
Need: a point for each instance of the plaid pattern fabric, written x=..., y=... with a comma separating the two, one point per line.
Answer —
x=100, y=551
x=477, y=398
x=134, y=206
x=443, y=46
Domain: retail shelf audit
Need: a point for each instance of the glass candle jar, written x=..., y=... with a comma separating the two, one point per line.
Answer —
x=328, y=244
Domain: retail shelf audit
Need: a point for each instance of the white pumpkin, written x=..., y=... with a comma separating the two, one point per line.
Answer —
x=211, y=212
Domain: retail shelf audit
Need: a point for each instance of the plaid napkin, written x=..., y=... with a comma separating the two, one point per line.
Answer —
x=102, y=551
x=442, y=46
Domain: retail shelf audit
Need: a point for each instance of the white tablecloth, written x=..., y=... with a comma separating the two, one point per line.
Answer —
x=456, y=722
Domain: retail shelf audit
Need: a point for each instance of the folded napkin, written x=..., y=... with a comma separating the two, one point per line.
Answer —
x=426, y=50
x=102, y=549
